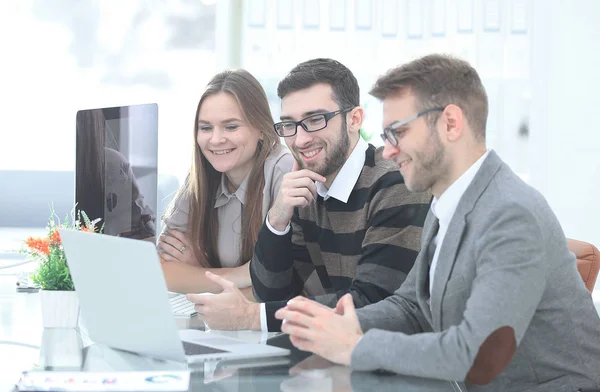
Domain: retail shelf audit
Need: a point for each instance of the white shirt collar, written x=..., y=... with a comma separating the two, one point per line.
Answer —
x=344, y=182
x=444, y=207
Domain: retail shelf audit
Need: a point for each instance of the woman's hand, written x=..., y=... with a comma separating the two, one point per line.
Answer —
x=177, y=246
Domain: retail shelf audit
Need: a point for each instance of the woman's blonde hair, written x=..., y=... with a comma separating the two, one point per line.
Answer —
x=203, y=180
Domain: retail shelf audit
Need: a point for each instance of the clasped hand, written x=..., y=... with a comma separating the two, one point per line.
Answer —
x=177, y=246
x=329, y=333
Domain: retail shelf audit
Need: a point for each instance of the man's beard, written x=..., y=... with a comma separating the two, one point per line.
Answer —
x=429, y=166
x=334, y=160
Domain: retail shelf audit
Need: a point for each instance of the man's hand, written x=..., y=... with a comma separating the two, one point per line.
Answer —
x=321, y=330
x=177, y=246
x=229, y=310
x=247, y=292
x=297, y=189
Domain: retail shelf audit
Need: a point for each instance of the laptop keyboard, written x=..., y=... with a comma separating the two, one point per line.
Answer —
x=181, y=307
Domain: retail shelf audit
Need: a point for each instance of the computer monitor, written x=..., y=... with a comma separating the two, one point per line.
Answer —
x=116, y=168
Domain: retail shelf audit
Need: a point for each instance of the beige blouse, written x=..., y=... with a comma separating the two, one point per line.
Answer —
x=230, y=205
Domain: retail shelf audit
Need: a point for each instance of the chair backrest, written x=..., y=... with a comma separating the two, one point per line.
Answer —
x=588, y=261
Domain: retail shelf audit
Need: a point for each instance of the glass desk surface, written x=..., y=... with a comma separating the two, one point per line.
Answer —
x=26, y=346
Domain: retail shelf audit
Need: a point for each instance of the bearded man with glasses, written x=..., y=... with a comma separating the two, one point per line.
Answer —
x=343, y=221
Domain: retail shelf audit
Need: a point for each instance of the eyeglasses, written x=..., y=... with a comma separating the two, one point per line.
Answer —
x=389, y=133
x=313, y=123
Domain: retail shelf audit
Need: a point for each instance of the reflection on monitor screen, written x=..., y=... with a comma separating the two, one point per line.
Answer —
x=116, y=168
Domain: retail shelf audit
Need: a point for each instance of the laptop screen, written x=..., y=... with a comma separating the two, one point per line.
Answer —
x=116, y=168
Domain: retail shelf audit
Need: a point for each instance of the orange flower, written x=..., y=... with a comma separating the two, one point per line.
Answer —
x=55, y=237
x=88, y=229
x=41, y=245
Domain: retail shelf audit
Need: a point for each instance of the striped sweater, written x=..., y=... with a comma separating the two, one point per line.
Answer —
x=365, y=247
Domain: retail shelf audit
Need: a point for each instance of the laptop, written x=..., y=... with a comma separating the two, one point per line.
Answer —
x=125, y=303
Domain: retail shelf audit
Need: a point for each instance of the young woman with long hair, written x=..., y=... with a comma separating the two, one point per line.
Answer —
x=237, y=167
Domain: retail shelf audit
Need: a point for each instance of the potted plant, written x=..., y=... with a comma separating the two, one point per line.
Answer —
x=59, y=303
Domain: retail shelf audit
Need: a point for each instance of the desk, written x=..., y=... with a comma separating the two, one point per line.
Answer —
x=71, y=349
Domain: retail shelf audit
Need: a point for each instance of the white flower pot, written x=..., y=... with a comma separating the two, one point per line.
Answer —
x=60, y=309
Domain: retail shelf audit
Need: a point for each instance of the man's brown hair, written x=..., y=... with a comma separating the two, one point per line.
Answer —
x=439, y=80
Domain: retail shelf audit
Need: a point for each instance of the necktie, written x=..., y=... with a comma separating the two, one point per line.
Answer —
x=431, y=246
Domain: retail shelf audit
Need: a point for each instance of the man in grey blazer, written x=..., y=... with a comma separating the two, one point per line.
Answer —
x=494, y=298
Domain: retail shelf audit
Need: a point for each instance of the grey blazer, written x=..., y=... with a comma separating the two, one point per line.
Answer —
x=504, y=262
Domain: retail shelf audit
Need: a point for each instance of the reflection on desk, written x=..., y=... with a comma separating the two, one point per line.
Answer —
x=72, y=350
x=62, y=350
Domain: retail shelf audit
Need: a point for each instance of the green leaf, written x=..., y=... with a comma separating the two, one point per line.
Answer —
x=366, y=135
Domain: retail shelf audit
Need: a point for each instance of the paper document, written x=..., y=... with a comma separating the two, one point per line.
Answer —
x=105, y=381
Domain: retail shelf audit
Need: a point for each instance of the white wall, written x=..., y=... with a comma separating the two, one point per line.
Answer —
x=565, y=135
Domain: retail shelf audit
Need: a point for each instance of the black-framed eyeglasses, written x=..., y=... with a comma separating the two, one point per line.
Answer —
x=313, y=123
x=389, y=133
